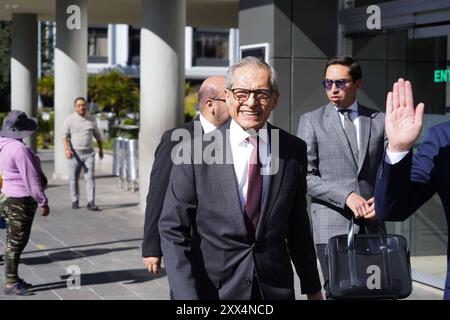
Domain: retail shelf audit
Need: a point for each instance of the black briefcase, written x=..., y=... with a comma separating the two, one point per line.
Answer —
x=369, y=266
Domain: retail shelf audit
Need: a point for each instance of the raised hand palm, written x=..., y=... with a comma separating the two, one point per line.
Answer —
x=403, y=122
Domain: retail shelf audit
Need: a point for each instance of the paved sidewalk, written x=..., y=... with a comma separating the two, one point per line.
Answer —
x=105, y=246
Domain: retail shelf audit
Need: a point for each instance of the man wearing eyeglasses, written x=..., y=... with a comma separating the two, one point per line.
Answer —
x=251, y=225
x=345, y=142
x=213, y=113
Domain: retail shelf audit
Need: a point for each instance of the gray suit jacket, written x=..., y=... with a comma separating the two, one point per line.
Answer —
x=332, y=171
x=207, y=196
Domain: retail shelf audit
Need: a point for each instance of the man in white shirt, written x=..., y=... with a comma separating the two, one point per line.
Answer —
x=213, y=113
x=78, y=132
x=250, y=225
x=345, y=143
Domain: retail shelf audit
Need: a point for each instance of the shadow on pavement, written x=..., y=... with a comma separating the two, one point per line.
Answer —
x=87, y=279
x=83, y=245
x=117, y=206
x=102, y=176
x=70, y=255
x=54, y=185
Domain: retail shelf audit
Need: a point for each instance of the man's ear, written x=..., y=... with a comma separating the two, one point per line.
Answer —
x=275, y=97
x=358, y=84
x=210, y=105
x=227, y=94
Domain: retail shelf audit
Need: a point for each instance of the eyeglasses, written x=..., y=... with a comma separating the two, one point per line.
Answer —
x=261, y=95
x=341, y=84
x=218, y=99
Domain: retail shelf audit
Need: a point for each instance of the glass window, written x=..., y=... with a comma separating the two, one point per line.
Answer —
x=98, y=45
x=210, y=48
x=391, y=54
x=135, y=46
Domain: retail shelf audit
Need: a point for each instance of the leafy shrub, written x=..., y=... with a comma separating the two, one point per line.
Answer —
x=46, y=127
x=114, y=91
x=190, y=101
x=46, y=88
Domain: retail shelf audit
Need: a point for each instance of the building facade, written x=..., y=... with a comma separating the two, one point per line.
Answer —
x=208, y=51
x=412, y=41
x=172, y=41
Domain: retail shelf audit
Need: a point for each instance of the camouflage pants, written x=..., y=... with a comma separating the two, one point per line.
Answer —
x=19, y=214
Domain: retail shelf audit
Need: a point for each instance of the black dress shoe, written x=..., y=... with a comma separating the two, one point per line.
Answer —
x=91, y=206
x=75, y=205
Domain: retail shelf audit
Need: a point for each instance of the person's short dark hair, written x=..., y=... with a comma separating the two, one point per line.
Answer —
x=79, y=98
x=353, y=65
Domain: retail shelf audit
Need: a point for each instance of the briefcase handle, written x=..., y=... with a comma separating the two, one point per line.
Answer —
x=384, y=253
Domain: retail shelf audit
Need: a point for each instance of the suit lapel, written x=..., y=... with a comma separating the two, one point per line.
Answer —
x=364, y=131
x=334, y=123
x=273, y=185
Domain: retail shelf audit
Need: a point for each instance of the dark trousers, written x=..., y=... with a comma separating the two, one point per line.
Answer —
x=321, y=255
x=19, y=215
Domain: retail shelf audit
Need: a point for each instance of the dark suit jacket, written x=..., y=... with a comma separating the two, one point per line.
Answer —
x=402, y=188
x=159, y=179
x=207, y=195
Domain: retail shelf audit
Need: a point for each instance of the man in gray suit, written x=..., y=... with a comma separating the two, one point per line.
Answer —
x=345, y=143
x=250, y=225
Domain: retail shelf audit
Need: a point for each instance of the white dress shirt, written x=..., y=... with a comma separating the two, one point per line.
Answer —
x=354, y=116
x=241, y=151
x=206, y=125
x=394, y=157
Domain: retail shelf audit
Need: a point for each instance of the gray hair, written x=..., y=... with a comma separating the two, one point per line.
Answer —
x=250, y=60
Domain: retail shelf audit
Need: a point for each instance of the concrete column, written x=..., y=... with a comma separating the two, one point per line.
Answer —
x=70, y=68
x=162, y=78
x=233, y=51
x=188, y=46
x=112, y=44
x=122, y=44
x=24, y=66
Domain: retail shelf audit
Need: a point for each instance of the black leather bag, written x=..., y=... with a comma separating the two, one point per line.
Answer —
x=369, y=266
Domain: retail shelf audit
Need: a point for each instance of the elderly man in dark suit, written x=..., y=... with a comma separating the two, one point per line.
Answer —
x=213, y=113
x=345, y=143
x=406, y=181
x=248, y=212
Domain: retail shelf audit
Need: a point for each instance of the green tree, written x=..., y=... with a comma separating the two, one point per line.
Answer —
x=190, y=101
x=5, y=65
x=46, y=88
x=115, y=91
x=47, y=47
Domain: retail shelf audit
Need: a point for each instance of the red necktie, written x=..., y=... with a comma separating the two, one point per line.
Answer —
x=252, y=206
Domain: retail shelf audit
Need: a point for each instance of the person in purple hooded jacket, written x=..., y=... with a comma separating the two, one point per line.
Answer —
x=22, y=192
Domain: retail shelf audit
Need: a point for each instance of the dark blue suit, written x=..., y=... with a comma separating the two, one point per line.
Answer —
x=402, y=188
